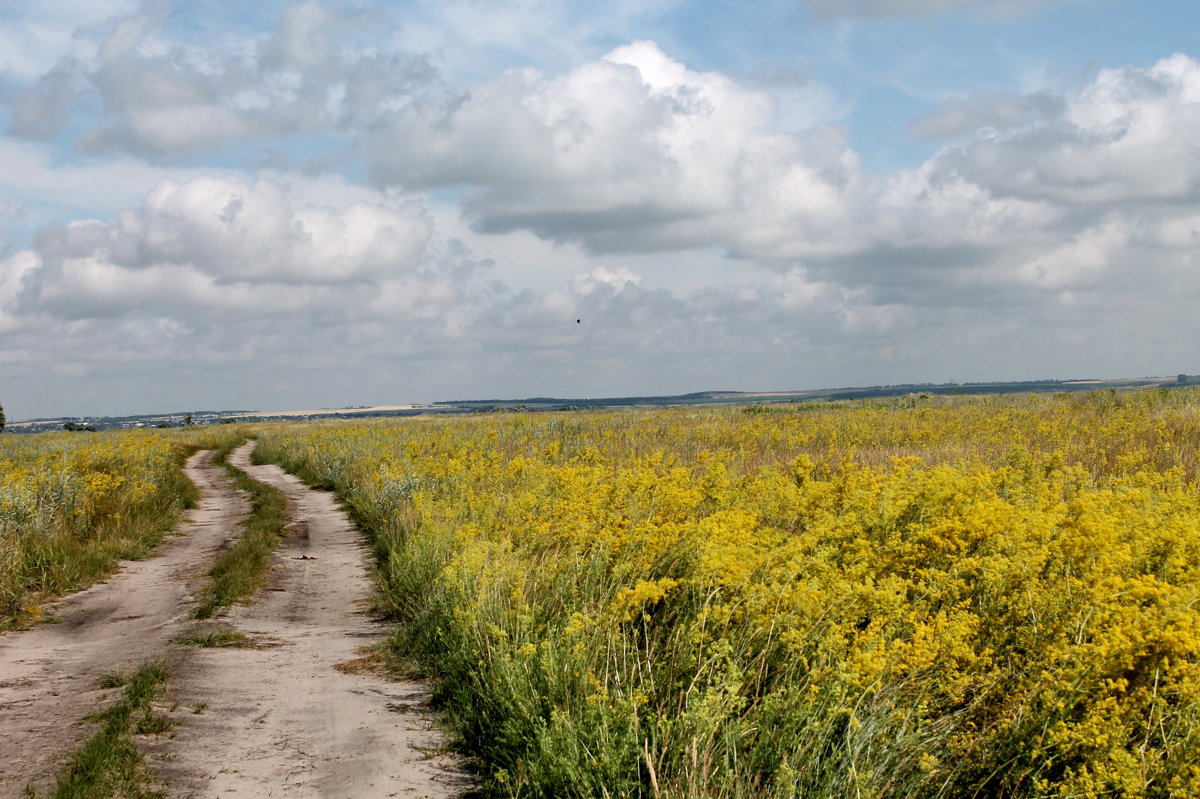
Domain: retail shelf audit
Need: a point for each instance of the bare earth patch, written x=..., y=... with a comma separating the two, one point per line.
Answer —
x=50, y=675
x=306, y=716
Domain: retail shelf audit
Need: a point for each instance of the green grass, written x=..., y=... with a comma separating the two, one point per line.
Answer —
x=241, y=570
x=215, y=637
x=109, y=763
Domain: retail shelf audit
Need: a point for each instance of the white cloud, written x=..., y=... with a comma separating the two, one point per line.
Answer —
x=1127, y=137
x=211, y=274
x=616, y=279
x=13, y=272
x=44, y=109
x=222, y=230
x=632, y=152
x=166, y=100
x=1082, y=261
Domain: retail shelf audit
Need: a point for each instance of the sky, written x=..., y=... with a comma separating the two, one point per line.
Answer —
x=326, y=203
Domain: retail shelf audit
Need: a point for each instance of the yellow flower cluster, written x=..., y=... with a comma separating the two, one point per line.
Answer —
x=913, y=597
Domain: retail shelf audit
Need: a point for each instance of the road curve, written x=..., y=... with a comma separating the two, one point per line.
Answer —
x=49, y=674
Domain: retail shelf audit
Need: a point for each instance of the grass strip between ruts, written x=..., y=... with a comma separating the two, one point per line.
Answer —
x=242, y=568
x=108, y=764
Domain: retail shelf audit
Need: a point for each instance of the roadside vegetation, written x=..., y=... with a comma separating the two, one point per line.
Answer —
x=241, y=570
x=927, y=597
x=108, y=764
x=72, y=505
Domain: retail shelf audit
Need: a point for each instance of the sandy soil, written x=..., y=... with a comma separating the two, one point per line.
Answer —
x=295, y=717
x=49, y=675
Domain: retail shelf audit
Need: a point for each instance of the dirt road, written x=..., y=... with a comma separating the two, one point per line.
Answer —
x=294, y=718
x=49, y=675
x=284, y=720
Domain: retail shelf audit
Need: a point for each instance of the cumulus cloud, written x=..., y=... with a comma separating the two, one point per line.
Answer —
x=1091, y=193
x=218, y=273
x=13, y=272
x=166, y=94
x=232, y=230
x=1126, y=137
x=164, y=100
x=100, y=302
x=635, y=152
x=631, y=152
x=218, y=247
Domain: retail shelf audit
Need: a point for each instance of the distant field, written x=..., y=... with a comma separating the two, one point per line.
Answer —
x=696, y=399
x=921, y=596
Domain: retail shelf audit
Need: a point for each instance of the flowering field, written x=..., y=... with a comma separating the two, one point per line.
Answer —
x=918, y=597
x=72, y=504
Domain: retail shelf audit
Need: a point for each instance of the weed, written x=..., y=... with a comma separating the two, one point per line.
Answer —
x=216, y=637
x=150, y=723
x=112, y=679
